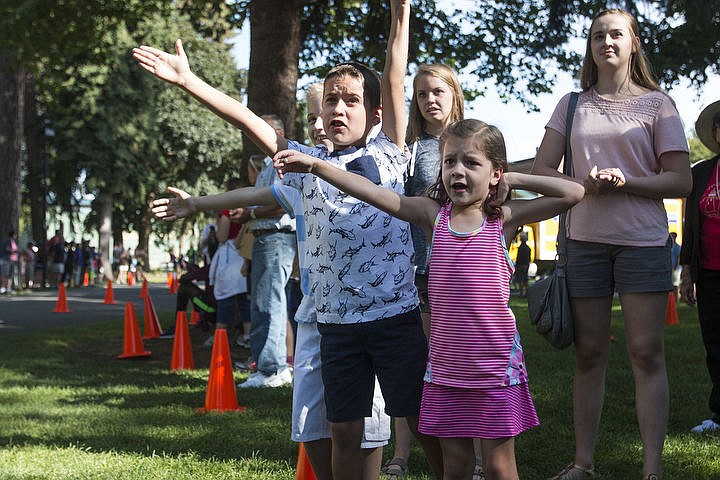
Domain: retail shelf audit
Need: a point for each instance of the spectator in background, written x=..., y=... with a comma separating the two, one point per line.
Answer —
x=522, y=264
x=700, y=255
x=141, y=261
x=56, y=259
x=67, y=276
x=28, y=259
x=675, y=259
x=228, y=287
x=273, y=252
x=8, y=262
x=118, y=249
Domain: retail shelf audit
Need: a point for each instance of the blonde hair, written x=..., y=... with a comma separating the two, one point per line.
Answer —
x=639, y=70
x=489, y=140
x=315, y=90
x=416, y=122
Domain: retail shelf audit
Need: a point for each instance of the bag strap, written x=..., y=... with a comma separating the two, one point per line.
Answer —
x=567, y=170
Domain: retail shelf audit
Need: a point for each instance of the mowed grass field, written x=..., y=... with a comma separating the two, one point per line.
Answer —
x=69, y=409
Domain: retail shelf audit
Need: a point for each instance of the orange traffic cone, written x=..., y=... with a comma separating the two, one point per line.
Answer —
x=194, y=317
x=304, y=470
x=144, y=289
x=174, y=285
x=86, y=280
x=182, y=357
x=61, y=306
x=132, y=344
x=221, y=395
x=109, y=297
x=130, y=279
x=170, y=278
x=671, y=315
x=152, y=324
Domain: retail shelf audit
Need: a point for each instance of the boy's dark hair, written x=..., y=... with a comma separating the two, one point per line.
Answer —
x=489, y=140
x=370, y=79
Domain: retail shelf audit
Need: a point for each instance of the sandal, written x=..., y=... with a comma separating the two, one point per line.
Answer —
x=478, y=473
x=395, y=469
x=574, y=472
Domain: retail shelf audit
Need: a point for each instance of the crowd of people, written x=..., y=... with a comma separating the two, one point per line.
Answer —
x=60, y=261
x=63, y=261
x=401, y=235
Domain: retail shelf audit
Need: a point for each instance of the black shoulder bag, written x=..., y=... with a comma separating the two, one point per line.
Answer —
x=548, y=299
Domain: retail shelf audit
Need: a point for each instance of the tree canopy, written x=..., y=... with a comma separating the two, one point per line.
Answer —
x=127, y=133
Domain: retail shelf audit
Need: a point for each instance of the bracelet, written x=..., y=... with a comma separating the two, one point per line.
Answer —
x=252, y=214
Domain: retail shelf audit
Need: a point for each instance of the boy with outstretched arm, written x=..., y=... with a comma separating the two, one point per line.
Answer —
x=360, y=265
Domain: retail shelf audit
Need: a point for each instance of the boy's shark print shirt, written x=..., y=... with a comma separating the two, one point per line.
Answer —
x=358, y=258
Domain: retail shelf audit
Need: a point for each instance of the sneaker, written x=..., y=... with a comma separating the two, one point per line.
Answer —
x=574, y=472
x=252, y=379
x=209, y=342
x=707, y=426
x=243, y=342
x=258, y=380
x=246, y=366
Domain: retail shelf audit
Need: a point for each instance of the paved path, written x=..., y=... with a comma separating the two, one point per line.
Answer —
x=26, y=312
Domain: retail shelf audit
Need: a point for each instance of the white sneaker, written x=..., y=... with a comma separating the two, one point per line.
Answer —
x=209, y=342
x=258, y=380
x=252, y=380
x=707, y=426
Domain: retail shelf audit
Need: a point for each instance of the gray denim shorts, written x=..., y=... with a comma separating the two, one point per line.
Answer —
x=599, y=269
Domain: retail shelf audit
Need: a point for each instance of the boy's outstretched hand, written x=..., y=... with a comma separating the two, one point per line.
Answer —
x=170, y=209
x=286, y=161
x=170, y=68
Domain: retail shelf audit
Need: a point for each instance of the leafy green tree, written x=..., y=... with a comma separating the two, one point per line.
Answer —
x=698, y=151
x=126, y=133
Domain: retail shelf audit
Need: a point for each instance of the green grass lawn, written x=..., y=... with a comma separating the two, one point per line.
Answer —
x=70, y=410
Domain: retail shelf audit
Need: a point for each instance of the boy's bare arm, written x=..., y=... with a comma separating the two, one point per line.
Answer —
x=175, y=69
x=394, y=117
x=184, y=205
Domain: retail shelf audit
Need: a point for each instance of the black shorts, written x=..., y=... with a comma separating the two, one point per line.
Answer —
x=393, y=349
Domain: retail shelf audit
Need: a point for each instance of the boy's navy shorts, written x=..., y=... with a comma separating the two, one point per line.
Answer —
x=393, y=349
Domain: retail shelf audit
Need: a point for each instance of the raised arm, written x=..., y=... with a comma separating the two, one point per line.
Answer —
x=175, y=69
x=558, y=195
x=184, y=205
x=394, y=117
x=418, y=210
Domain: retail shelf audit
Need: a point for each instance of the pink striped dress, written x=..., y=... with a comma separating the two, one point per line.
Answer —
x=476, y=381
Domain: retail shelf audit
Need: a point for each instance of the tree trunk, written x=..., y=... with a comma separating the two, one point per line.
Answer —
x=144, y=229
x=11, y=134
x=105, y=209
x=35, y=147
x=273, y=70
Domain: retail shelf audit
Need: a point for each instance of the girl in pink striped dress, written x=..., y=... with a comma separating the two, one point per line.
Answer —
x=476, y=382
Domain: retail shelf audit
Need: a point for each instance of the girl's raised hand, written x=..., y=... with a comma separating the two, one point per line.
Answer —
x=170, y=68
x=286, y=161
x=170, y=209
